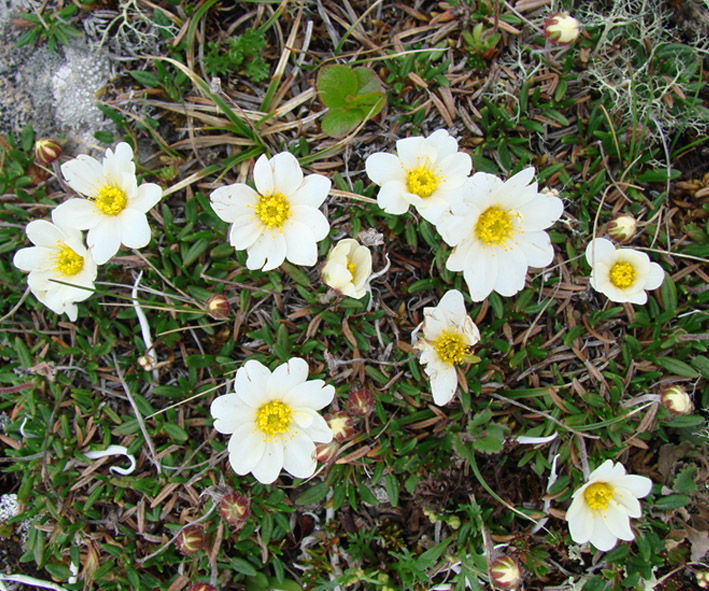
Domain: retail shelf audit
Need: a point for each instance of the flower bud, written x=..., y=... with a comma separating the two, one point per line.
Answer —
x=622, y=227
x=202, y=587
x=341, y=424
x=561, y=29
x=326, y=452
x=47, y=150
x=348, y=268
x=190, y=540
x=235, y=508
x=360, y=403
x=676, y=400
x=217, y=306
x=505, y=572
x=147, y=362
x=703, y=579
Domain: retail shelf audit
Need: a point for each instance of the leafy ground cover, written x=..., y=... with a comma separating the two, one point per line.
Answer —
x=415, y=496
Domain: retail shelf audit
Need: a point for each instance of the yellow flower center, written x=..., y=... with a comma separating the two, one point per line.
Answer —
x=351, y=267
x=273, y=419
x=272, y=209
x=623, y=274
x=67, y=261
x=110, y=199
x=423, y=180
x=450, y=346
x=597, y=496
x=495, y=226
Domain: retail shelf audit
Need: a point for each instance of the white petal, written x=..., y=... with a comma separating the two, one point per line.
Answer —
x=639, y=486
x=231, y=201
x=391, y=197
x=263, y=176
x=601, y=249
x=444, y=144
x=456, y=167
x=311, y=218
x=268, y=252
x=230, y=413
x=516, y=191
x=382, y=168
x=301, y=249
x=443, y=385
x=314, y=394
x=286, y=377
x=119, y=162
x=410, y=150
x=243, y=233
x=313, y=191
x=602, y=538
x=513, y=266
x=431, y=208
x=618, y=522
x=287, y=174
x=44, y=233
x=481, y=271
x=83, y=174
x=246, y=449
x=271, y=464
x=31, y=258
x=537, y=249
x=135, y=230
x=250, y=383
x=298, y=457
x=655, y=276
x=580, y=521
x=318, y=429
x=104, y=240
x=149, y=195
x=80, y=214
x=541, y=212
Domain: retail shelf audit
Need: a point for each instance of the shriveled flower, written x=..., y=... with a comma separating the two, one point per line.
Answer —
x=58, y=254
x=676, y=400
x=279, y=220
x=427, y=173
x=448, y=335
x=348, y=267
x=498, y=232
x=601, y=509
x=272, y=420
x=116, y=208
x=561, y=28
x=622, y=274
x=622, y=227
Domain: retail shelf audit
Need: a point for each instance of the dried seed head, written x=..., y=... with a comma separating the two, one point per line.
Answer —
x=505, y=572
x=235, y=508
x=360, y=403
x=676, y=400
x=561, y=29
x=341, y=424
x=622, y=227
x=36, y=174
x=47, y=150
x=191, y=540
x=217, y=306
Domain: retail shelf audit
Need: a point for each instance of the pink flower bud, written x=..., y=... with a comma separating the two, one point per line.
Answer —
x=217, y=306
x=47, y=150
x=360, y=403
x=622, y=227
x=191, y=540
x=326, y=452
x=505, y=572
x=235, y=508
x=341, y=424
x=561, y=29
x=202, y=587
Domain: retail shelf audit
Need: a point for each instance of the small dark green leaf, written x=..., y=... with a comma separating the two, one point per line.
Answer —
x=669, y=502
x=391, y=483
x=313, y=495
x=145, y=78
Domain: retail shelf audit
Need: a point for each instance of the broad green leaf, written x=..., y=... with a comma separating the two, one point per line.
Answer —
x=367, y=81
x=337, y=85
x=314, y=494
x=339, y=122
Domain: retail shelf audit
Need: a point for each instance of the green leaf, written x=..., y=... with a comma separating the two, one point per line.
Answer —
x=701, y=364
x=145, y=78
x=175, y=432
x=337, y=84
x=367, y=81
x=339, y=122
x=370, y=104
x=391, y=483
x=668, y=294
x=684, y=481
x=488, y=444
x=677, y=367
x=313, y=495
x=669, y=502
x=242, y=566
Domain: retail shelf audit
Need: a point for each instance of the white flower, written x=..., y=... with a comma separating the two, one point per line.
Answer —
x=273, y=421
x=498, y=232
x=348, y=268
x=676, y=400
x=114, y=212
x=59, y=254
x=601, y=509
x=448, y=335
x=561, y=29
x=622, y=274
x=280, y=220
x=427, y=173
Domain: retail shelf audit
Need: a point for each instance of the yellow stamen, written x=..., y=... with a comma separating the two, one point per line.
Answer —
x=451, y=347
x=272, y=209
x=423, y=180
x=623, y=274
x=351, y=267
x=597, y=496
x=273, y=419
x=495, y=226
x=67, y=261
x=110, y=199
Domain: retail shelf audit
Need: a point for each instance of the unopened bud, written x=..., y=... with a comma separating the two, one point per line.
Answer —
x=505, y=572
x=703, y=579
x=360, y=403
x=190, y=540
x=561, y=29
x=235, y=508
x=326, y=452
x=453, y=522
x=676, y=400
x=147, y=362
x=47, y=150
x=622, y=227
x=217, y=306
x=341, y=424
x=202, y=587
